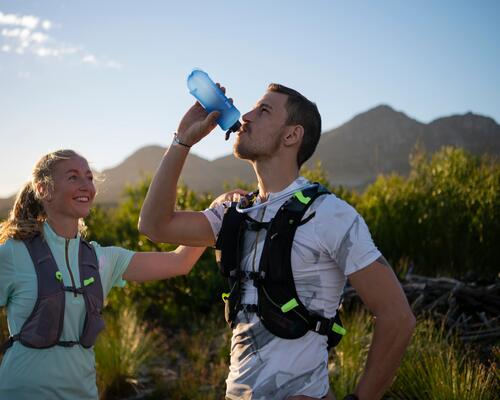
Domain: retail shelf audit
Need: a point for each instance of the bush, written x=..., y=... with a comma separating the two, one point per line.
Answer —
x=444, y=218
x=172, y=302
x=123, y=350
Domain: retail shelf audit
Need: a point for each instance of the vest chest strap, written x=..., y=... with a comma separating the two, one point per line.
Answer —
x=74, y=290
x=8, y=344
x=247, y=275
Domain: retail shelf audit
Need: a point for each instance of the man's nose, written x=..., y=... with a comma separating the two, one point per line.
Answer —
x=248, y=116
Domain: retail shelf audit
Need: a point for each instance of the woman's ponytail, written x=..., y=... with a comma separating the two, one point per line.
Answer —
x=26, y=217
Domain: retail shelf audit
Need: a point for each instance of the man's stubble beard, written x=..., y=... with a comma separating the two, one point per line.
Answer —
x=246, y=152
x=241, y=152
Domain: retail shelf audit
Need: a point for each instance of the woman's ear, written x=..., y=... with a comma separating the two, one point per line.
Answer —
x=294, y=135
x=43, y=192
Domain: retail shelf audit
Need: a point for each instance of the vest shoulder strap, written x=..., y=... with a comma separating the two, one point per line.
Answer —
x=46, y=269
x=89, y=269
x=43, y=328
x=93, y=294
x=228, y=240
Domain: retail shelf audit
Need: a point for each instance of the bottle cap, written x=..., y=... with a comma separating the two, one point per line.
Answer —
x=236, y=126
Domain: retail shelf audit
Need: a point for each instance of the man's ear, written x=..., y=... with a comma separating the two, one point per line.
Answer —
x=294, y=135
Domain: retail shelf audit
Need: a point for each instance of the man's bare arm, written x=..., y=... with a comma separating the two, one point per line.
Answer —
x=381, y=292
x=158, y=219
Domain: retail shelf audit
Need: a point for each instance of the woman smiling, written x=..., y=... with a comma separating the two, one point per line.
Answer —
x=54, y=283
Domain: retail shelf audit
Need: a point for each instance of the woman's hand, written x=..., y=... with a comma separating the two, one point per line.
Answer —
x=231, y=196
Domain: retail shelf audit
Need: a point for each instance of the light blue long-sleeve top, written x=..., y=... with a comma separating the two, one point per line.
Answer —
x=57, y=372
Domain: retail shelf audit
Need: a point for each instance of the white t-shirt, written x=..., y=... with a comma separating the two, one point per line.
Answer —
x=332, y=245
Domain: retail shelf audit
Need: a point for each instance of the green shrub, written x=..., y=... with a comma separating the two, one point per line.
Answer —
x=444, y=218
x=123, y=350
x=172, y=302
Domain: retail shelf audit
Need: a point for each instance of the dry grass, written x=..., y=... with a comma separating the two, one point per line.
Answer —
x=123, y=350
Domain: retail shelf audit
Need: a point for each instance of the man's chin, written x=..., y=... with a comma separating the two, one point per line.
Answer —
x=242, y=155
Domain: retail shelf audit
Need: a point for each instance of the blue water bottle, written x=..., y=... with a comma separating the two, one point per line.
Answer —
x=212, y=99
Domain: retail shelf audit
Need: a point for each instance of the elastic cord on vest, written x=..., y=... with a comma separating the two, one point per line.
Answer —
x=283, y=196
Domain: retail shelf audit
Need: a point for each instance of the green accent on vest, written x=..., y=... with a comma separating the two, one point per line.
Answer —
x=225, y=296
x=89, y=281
x=339, y=329
x=289, y=305
x=59, y=276
x=300, y=197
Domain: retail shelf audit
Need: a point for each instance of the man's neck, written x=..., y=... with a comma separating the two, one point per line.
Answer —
x=274, y=176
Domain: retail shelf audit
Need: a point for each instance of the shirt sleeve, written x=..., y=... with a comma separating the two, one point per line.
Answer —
x=7, y=273
x=343, y=233
x=113, y=262
x=215, y=216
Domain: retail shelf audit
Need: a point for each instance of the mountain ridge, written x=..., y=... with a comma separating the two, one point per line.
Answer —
x=376, y=141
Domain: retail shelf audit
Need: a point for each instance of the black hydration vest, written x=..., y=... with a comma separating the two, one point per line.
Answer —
x=44, y=326
x=279, y=306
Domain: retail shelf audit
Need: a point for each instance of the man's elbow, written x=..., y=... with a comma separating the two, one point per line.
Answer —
x=143, y=226
x=399, y=319
x=407, y=322
x=148, y=229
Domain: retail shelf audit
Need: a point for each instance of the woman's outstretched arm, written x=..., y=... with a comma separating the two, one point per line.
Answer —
x=151, y=266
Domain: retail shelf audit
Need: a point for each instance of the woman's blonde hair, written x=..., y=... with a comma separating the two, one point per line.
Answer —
x=27, y=215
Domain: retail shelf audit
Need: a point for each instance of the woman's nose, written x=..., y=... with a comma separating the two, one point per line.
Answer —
x=86, y=184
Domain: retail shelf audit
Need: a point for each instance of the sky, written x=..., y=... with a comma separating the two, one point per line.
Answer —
x=106, y=78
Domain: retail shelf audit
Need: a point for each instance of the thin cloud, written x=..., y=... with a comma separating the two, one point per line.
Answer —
x=27, y=21
x=22, y=34
x=46, y=25
x=90, y=59
x=113, y=65
x=93, y=60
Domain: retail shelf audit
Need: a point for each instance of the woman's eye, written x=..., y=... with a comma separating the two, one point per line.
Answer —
x=72, y=178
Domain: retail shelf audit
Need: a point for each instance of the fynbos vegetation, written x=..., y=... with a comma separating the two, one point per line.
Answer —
x=442, y=220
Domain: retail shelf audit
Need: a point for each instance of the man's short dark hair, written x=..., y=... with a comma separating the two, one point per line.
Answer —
x=301, y=111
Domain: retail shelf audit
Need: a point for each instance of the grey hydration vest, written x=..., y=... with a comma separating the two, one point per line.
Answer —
x=44, y=326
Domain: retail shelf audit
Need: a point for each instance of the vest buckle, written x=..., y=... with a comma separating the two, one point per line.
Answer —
x=258, y=278
x=323, y=326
